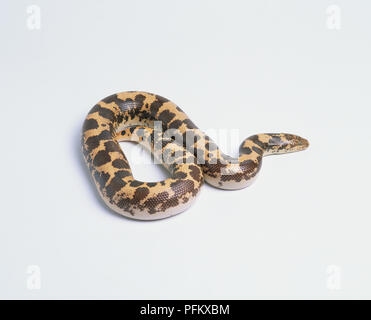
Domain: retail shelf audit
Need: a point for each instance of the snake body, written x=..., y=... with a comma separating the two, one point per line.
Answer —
x=186, y=152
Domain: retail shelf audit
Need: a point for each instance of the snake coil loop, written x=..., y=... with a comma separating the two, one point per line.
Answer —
x=132, y=116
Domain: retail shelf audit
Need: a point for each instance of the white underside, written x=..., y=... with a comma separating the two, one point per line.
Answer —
x=230, y=185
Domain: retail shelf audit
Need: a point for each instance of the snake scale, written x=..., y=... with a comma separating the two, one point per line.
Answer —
x=186, y=152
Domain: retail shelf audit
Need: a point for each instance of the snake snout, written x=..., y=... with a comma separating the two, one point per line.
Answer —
x=300, y=143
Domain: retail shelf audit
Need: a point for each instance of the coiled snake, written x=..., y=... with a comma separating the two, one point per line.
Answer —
x=186, y=152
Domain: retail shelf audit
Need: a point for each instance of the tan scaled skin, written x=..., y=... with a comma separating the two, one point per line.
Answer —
x=188, y=154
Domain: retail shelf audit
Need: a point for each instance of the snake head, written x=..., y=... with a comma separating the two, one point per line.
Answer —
x=285, y=143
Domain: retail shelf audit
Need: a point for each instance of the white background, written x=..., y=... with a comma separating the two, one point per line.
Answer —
x=255, y=66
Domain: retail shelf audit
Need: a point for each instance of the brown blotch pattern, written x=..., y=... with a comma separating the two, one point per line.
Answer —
x=129, y=116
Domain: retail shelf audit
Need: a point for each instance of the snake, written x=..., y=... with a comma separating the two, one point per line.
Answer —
x=188, y=154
